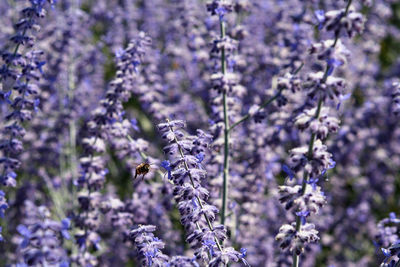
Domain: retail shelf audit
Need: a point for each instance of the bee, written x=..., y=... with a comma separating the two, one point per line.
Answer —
x=142, y=168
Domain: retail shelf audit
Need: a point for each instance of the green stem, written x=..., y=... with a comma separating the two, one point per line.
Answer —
x=311, y=143
x=72, y=153
x=264, y=104
x=225, y=186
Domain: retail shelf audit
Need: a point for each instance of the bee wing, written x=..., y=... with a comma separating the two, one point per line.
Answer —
x=155, y=166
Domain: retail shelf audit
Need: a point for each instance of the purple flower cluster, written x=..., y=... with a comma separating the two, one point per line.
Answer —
x=41, y=238
x=314, y=159
x=19, y=73
x=189, y=133
x=197, y=216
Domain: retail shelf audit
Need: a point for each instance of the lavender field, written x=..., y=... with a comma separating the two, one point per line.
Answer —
x=216, y=133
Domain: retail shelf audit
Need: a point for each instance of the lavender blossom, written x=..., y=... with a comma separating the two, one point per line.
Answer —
x=314, y=159
x=41, y=238
x=197, y=216
x=149, y=246
x=19, y=91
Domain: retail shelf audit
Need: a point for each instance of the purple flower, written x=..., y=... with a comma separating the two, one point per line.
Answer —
x=134, y=125
x=36, y=104
x=221, y=11
x=3, y=204
x=313, y=182
x=197, y=216
x=148, y=245
x=343, y=98
x=320, y=15
x=5, y=96
x=288, y=171
x=26, y=233
x=119, y=53
x=66, y=224
x=243, y=253
x=219, y=8
x=200, y=157
x=387, y=253
x=167, y=166
x=303, y=215
x=210, y=245
x=332, y=164
x=40, y=65
x=332, y=64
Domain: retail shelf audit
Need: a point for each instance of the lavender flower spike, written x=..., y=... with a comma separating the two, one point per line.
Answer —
x=197, y=216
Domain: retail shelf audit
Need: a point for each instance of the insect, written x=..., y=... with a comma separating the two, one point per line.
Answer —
x=142, y=168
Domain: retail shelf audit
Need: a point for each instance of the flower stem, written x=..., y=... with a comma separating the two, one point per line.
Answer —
x=264, y=104
x=226, y=131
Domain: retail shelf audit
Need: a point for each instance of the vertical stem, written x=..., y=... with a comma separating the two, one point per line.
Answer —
x=295, y=256
x=72, y=154
x=226, y=131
